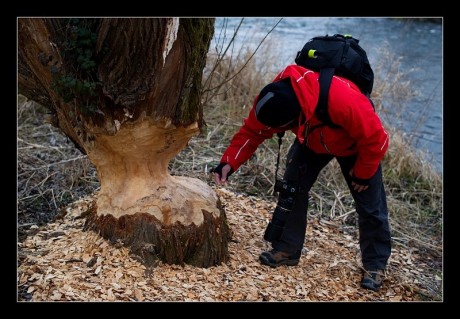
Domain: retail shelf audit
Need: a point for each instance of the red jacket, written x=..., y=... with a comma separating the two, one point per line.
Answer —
x=361, y=130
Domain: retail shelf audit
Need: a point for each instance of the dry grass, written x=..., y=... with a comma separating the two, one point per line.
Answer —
x=414, y=188
x=52, y=173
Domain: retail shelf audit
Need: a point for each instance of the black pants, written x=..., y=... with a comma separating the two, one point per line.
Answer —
x=286, y=231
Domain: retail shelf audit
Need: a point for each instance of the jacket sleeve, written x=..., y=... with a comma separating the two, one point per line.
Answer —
x=364, y=126
x=245, y=142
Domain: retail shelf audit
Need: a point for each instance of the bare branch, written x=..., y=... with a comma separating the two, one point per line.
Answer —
x=220, y=59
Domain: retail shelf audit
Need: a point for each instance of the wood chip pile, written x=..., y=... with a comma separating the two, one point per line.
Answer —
x=61, y=262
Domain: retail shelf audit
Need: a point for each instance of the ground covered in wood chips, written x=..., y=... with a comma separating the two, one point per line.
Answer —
x=61, y=262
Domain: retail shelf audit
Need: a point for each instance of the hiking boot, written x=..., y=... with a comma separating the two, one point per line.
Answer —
x=275, y=258
x=372, y=279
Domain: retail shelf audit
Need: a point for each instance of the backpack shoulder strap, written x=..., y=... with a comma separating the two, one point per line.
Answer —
x=321, y=110
x=280, y=140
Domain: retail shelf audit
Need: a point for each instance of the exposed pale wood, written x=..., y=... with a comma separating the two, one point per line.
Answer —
x=143, y=108
x=329, y=269
x=133, y=170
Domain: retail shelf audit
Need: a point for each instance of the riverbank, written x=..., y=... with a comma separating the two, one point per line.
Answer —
x=397, y=51
x=52, y=175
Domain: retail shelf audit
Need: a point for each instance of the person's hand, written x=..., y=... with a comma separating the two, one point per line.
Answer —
x=357, y=187
x=221, y=173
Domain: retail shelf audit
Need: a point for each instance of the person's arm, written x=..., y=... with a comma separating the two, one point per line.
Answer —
x=242, y=146
x=363, y=124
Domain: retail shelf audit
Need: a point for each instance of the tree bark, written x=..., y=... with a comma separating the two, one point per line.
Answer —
x=127, y=93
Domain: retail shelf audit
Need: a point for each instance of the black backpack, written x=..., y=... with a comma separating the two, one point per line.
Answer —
x=340, y=55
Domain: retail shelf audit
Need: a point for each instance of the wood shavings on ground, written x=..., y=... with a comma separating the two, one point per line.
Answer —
x=61, y=262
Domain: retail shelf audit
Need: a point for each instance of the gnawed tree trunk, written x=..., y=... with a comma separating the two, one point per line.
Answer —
x=127, y=93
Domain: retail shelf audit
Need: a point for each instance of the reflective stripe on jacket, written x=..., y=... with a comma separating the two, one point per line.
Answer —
x=361, y=132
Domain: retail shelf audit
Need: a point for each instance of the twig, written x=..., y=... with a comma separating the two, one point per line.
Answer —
x=63, y=161
x=210, y=134
x=74, y=260
x=418, y=240
x=54, y=200
x=27, y=224
x=313, y=193
x=33, y=145
x=220, y=58
x=339, y=200
x=249, y=59
x=347, y=213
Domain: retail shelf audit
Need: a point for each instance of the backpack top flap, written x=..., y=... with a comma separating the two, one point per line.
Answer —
x=344, y=54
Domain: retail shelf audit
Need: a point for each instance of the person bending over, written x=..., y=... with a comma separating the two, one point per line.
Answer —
x=359, y=144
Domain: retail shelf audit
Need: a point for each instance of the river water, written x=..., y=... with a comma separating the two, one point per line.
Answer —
x=414, y=48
